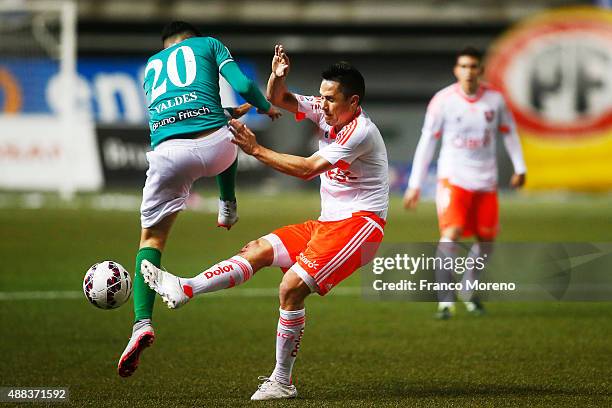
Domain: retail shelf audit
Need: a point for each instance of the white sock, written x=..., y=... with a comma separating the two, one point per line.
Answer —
x=226, y=274
x=140, y=324
x=447, y=248
x=288, y=336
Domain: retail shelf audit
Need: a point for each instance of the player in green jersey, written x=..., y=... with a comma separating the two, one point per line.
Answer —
x=190, y=139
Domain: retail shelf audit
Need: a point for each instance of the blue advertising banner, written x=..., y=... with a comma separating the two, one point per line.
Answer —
x=109, y=90
x=23, y=84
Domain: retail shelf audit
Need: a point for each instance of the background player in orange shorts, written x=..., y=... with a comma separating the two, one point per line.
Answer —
x=468, y=116
x=317, y=254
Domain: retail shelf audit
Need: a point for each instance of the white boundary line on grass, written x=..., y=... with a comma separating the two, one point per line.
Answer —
x=247, y=292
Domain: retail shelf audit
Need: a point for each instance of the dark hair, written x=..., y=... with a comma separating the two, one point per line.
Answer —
x=350, y=79
x=179, y=27
x=469, y=51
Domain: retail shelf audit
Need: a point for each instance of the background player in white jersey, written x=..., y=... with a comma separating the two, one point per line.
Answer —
x=190, y=140
x=316, y=255
x=467, y=116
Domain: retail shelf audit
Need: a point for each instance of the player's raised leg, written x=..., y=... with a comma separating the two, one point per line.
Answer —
x=176, y=291
x=152, y=242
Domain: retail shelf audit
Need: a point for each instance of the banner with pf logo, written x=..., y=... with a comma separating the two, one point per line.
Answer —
x=555, y=70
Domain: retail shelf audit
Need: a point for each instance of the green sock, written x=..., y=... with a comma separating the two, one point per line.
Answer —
x=144, y=297
x=227, y=182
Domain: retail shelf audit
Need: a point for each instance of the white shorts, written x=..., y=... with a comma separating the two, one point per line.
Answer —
x=175, y=165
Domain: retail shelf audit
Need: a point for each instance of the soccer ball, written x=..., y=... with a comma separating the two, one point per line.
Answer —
x=107, y=285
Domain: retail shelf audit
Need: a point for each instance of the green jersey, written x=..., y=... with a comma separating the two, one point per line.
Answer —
x=182, y=88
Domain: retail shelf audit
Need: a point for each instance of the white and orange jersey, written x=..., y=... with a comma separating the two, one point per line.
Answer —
x=360, y=179
x=468, y=127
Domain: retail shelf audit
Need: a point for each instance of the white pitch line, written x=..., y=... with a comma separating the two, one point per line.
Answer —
x=41, y=295
x=247, y=292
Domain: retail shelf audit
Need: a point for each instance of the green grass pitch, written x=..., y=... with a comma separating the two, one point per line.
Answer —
x=354, y=352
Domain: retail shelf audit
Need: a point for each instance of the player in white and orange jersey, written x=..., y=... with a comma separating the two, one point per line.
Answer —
x=468, y=117
x=316, y=254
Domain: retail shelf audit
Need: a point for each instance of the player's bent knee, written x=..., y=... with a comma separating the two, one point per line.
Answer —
x=258, y=252
x=245, y=249
x=292, y=291
x=257, y=247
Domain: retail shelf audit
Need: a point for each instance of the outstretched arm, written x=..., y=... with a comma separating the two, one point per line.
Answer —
x=238, y=111
x=247, y=89
x=297, y=166
x=277, y=91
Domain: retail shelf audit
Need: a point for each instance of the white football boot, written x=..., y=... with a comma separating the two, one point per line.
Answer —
x=228, y=214
x=271, y=389
x=140, y=340
x=165, y=284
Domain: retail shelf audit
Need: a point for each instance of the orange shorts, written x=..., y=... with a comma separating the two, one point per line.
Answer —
x=324, y=253
x=476, y=212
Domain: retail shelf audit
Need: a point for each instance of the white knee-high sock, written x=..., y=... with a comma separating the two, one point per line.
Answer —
x=226, y=274
x=288, y=336
x=447, y=248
